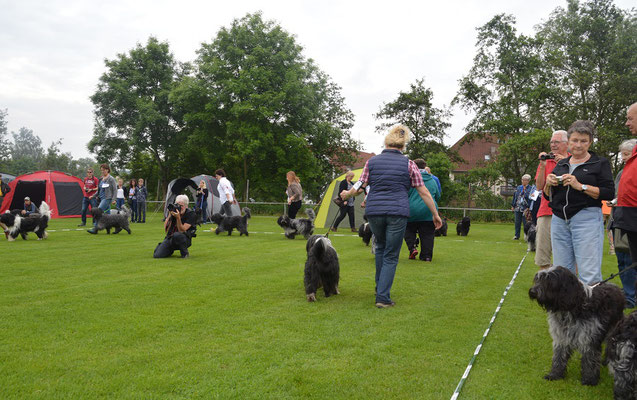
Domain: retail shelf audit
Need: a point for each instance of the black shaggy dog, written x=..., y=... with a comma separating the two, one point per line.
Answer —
x=117, y=221
x=298, y=226
x=321, y=267
x=443, y=229
x=621, y=353
x=579, y=318
x=530, y=231
x=16, y=225
x=228, y=224
x=462, y=228
x=365, y=232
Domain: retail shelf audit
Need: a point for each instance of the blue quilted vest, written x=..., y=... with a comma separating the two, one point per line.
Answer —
x=389, y=183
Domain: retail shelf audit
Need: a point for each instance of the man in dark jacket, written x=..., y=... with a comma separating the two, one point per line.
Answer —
x=625, y=212
x=4, y=189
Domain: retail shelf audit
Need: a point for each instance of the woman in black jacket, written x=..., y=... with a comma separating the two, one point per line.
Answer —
x=575, y=190
x=348, y=205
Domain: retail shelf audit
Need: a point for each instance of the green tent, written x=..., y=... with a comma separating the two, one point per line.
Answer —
x=328, y=211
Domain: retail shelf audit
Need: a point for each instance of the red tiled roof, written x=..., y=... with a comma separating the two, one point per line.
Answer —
x=476, y=153
x=361, y=159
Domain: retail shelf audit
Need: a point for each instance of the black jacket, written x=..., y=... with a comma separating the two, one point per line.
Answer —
x=595, y=172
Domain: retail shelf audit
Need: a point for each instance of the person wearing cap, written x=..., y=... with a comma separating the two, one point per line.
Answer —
x=29, y=207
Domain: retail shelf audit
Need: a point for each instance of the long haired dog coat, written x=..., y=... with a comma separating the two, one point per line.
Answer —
x=118, y=222
x=297, y=226
x=321, y=268
x=579, y=318
x=18, y=225
x=621, y=353
x=227, y=224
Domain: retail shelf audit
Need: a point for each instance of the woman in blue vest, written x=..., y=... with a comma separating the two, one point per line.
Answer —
x=390, y=175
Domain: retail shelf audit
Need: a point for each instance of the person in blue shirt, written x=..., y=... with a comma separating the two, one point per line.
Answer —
x=521, y=202
x=29, y=207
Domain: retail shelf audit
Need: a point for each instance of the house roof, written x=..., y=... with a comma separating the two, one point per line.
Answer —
x=361, y=159
x=476, y=152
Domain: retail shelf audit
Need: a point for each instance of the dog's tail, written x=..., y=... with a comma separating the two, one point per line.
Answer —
x=310, y=214
x=319, y=248
x=45, y=210
x=246, y=212
x=126, y=211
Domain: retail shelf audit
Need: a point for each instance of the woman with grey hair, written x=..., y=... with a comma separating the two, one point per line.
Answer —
x=521, y=203
x=575, y=190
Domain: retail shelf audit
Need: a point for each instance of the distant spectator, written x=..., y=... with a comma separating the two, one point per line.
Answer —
x=226, y=193
x=295, y=194
x=121, y=198
x=348, y=205
x=107, y=191
x=420, y=222
x=142, y=194
x=29, y=207
x=559, y=151
x=132, y=199
x=202, y=199
x=628, y=278
x=4, y=190
x=434, y=177
x=521, y=203
x=91, y=183
x=575, y=189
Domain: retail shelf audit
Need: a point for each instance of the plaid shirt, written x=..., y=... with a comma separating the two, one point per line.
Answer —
x=414, y=175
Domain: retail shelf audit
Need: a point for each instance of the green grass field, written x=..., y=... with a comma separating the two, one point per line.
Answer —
x=84, y=316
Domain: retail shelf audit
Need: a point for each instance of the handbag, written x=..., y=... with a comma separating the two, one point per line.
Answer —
x=620, y=239
x=338, y=201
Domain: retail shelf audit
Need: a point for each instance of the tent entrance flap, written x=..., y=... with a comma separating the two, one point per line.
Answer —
x=66, y=195
x=35, y=190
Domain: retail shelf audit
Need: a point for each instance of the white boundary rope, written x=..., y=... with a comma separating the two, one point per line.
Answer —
x=456, y=393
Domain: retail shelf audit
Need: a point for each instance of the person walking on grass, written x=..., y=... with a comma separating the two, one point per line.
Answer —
x=107, y=192
x=91, y=183
x=521, y=203
x=348, y=206
x=142, y=194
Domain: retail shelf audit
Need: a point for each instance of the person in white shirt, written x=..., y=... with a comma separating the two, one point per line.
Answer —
x=226, y=193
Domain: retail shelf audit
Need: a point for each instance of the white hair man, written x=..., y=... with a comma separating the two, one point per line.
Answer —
x=180, y=228
x=559, y=150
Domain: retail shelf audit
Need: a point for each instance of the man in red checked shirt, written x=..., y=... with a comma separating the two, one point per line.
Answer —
x=559, y=146
x=90, y=197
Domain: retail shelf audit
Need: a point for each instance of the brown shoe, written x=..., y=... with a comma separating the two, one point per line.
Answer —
x=385, y=305
x=333, y=229
x=354, y=230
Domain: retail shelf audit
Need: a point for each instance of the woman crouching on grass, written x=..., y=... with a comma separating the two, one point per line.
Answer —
x=390, y=176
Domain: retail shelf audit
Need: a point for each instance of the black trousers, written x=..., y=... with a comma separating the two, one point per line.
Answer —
x=632, y=244
x=345, y=210
x=226, y=208
x=178, y=241
x=294, y=208
x=424, y=229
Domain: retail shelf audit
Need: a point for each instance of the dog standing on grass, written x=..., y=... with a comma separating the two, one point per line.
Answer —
x=297, y=226
x=118, y=222
x=530, y=232
x=579, y=318
x=227, y=224
x=462, y=228
x=321, y=268
x=15, y=225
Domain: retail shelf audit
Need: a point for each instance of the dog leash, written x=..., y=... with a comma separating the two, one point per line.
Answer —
x=634, y=265
x=332, y=224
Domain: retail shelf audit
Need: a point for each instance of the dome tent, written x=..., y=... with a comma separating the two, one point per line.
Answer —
x=61, y=191
x=328, y=210
x=179, y=185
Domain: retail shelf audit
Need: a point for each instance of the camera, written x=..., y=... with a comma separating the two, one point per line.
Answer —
x=559, y=178
x=549, y=156
x=173, y=207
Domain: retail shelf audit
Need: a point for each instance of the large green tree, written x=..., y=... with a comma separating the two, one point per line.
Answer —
x=415, y=109
x=257, y=107
x=133, y=114
x=5, y=145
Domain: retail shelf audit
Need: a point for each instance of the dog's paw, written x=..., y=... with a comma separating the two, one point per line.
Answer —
x=553, y=377
x=311, y=297
x=338, y=291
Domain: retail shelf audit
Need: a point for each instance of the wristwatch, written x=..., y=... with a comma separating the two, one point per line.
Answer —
x=584, y=187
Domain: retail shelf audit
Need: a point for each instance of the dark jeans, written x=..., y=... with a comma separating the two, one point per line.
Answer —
x=389, y=231
x=226, y=208
x=141, y=211
x=519, y=222
x=345, y=210
x=628, y=278
x=424, y=229
x=178, y=241
x=294, y=208
x=119, y=203
x=85, y=203
x=133, y=207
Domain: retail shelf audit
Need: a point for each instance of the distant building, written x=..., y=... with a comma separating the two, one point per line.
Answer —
x=359, y=162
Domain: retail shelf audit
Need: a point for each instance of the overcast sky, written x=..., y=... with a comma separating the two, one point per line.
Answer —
x=52, y=52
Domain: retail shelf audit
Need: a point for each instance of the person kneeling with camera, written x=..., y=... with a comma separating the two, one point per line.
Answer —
x=180, y=228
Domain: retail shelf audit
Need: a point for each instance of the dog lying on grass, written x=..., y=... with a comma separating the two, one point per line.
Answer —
x=118, y=222
x=228, y=224
x=15, y=225
x=579, y=318
x=298, y=226
x=321, y=268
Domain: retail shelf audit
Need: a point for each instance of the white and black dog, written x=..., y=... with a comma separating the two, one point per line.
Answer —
x=321, y=268
x=365, y=232
x=227, y=224
x=621, y=353
x=530, y=232
x=579, y=318
x=462, y=228
x=298, y=226
x=119, y=221
x=16, y=225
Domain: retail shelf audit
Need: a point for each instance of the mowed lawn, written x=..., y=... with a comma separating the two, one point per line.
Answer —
x=95, y=316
